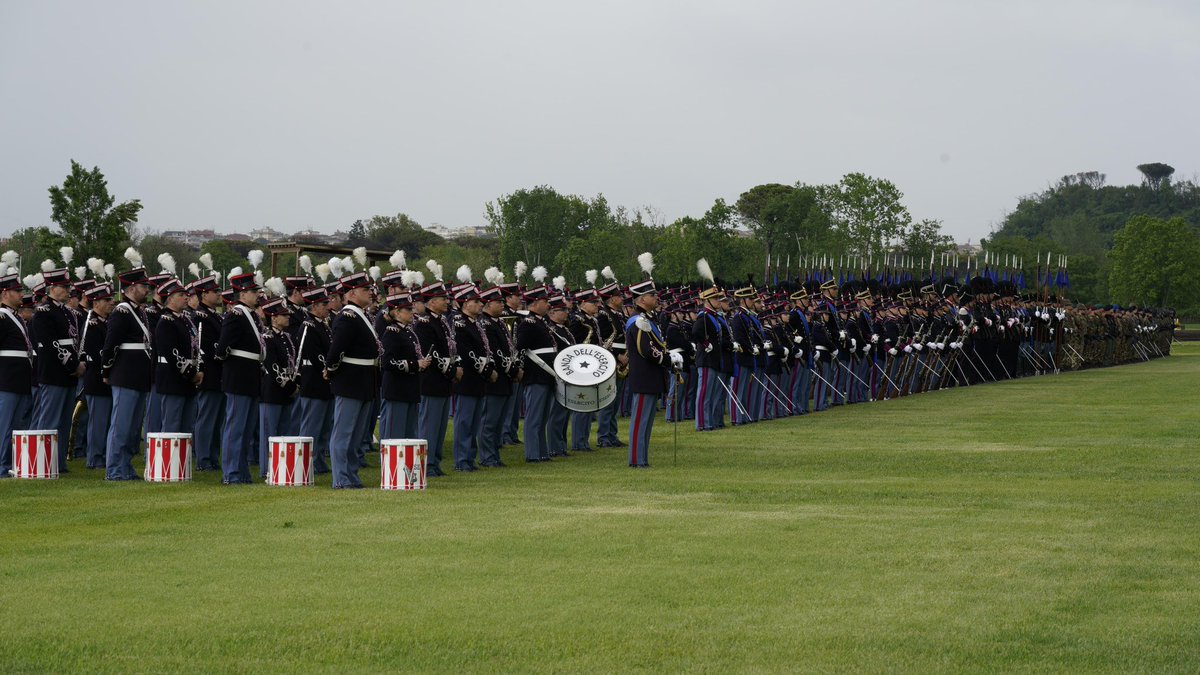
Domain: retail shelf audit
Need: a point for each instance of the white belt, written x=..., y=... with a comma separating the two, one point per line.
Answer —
x=245, y=354
x=618, y=345
x=66, y=342
x=16, y=353
x=360, y=362
x=134, y=345
x=822, y=349
x=306, y=362
x=543, y=350
x=677, y=350
x=770, y=353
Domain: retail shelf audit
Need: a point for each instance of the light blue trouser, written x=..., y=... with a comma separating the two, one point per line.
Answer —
x=124, y=432
x=801, y=392
x=675, y=394
x=706, y=394
x=365, y=447
x=606, y=419
x=556, y=429
x=174, y=414
x=642, y=413
x=398, y=419
x=210, y=408
x=274, y=419
x=316, y=421
x=468, y=418
x=539, y=398
x=99, y=415
x=238, y=439
x=52, y=408
x=740, y=385
x=351, y=416
x=581, y=430
x=154, y=411
x=494, y=410
x=433, y=416
x=14, y=416
x=511, y=416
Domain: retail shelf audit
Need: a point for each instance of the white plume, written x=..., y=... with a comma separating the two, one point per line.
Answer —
x=31, y=280
x=258, y=277
x=10, y=258
x=235, y=271
x=607, y=273
x=705, y=270
x=216, y=276
x=80, y=272
x=3, y=268
x=560, y=283
x=134, y=258
x=360, y=255
x=397, y=260
x=539, y=274
x=591, y=276
x=418, y=278
x=348, y=265
x=375, y=272
x=306, y=264
x=519, y=269
x=168, y=263
x=493, y=276
x=335, y=267
x=275, y=287
x=464, y=275
x=323, y=272
x=646, y=262
x=255, y=257
x=194, y=269
x=206, y=260
x=96, y=265
x=110, y=270
x=68, y=254
x=47, y=265
x=434, y=268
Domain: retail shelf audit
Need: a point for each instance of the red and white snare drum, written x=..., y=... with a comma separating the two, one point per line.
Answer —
x=35, y=454
x=402, y=463
x=290, y=460
x=168, y=458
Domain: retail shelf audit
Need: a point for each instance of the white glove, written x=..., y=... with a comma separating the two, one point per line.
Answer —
x=799, y=354
x=708, y=348
x=929, y=344
x=918, y=346
x=786, y=351
x=798, y=339
x=676, y=360
x=987, y=321
x=874, y=338
x=974, y=329
x=1052, y=331
x=841, y=335
x=893, y=351
x=737, y=347
x=1010, y=322
x=1061, y=316
x=693, y=347
x=767, y=344
x=866, y=349
x=941, y=346
x=907, y=349
x=835, y=353
x=754, y=350
x=853, y=344
x=1001, y=329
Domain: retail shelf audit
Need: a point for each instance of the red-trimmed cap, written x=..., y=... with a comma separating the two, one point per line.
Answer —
x=558, y=302
x=297, y=282
x=275, y=307
x=243, y=282
x=509, y=288
x=588, y=295
x=435, y=290
x=399, y=300
x=466, y=292
x=168, y=287
x=208, y=283
x=641, y=288
x=493, y=293
x=10, y=282
x=99, y=292
x=393, y=278
x=136, y=275
x=355, y=280
x=314, y=295
x=536, y=293
x=60, y=277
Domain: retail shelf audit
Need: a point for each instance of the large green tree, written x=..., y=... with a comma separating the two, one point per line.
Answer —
x=391, y=233
x=868, y=212
x=35, y=244
x=535, y=224
x=1153, y=262
x=786, y=219
x=90, y=217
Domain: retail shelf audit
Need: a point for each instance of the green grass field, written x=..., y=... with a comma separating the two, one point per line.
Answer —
x=1047, y=524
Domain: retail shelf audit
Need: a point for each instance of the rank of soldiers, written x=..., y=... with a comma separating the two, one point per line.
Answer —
x=346, y=355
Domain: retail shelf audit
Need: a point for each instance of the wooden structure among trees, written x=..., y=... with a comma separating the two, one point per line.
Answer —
x=296, y=249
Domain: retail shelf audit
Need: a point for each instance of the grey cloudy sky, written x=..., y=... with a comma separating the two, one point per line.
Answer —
x=234, y=115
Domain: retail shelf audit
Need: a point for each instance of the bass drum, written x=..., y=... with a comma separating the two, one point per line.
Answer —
x=587, y=378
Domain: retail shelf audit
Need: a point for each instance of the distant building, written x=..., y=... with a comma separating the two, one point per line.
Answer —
x=235, y=237
x=190, y=238
x=266, y=235
x=444, y=232
x=968, y=249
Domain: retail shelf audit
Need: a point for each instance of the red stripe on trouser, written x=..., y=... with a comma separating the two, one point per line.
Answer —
x=636, y=431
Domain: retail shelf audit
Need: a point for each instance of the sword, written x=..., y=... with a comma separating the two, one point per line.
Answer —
x=732, y=396
x=827, y=382
x=847, y=369
x=768, y=390
x=884, y=374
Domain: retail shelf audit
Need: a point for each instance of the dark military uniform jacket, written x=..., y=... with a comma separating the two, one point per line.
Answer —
x=315, y=338
x=208, y=333
x=534, y=336
x=436, y=333
x=478, y=361
x=56, y=343
x=279, y=375
x=714, y=341
x=401, y=370
x=504, y=354
x=16, y=354
x=95, y=328
x=649, y=359
x=175, y=349
x=353, y=358
x=125, y=358
x=242, y=348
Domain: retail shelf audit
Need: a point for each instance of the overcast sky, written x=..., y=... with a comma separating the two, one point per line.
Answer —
x=234, y=115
